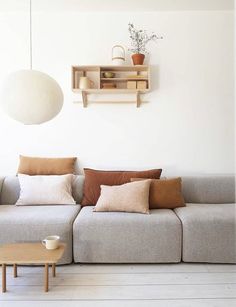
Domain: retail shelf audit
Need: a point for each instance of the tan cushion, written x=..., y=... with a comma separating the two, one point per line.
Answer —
x=45, y=190
x=165, y=194
x=95, y=178
x=128, y=197
x=46, y=166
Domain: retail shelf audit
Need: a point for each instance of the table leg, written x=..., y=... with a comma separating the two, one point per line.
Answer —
x=4, y=286
x=15, y=270
x=46, y=278
x=53, y=270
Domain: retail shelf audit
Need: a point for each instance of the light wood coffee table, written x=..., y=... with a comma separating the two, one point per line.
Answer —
x=29, y=253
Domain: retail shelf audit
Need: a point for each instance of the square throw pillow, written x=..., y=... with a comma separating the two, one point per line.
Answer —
x=95, y=178
x=45, y=190
x=46, y=166
x=128, y=197
x=165, y=194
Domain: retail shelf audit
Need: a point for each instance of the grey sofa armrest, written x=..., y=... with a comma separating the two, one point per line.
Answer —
x=1, y=184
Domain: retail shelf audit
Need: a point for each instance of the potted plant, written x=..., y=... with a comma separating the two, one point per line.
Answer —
x=139, y=40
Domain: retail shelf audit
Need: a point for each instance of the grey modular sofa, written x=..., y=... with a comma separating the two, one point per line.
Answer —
x=203, y=231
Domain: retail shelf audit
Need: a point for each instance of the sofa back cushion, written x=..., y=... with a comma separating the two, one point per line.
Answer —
x=11, y=189
x=209, y=189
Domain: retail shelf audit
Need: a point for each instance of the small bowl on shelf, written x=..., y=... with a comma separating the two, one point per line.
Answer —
x=108, y=74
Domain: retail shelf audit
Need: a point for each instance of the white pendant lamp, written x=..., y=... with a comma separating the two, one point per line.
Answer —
x=29, y=96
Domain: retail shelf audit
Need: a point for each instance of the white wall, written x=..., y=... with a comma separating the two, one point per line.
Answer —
x=187, y=126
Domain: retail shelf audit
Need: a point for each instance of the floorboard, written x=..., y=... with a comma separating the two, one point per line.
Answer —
x=124, y=285
x=154, y=303
x=67, y=279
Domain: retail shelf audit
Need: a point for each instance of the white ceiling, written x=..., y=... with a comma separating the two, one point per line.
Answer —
x=116, y=5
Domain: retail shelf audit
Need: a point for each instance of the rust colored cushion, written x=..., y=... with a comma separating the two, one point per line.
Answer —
x=165, y=194
x=95, y=178
x=46, y=166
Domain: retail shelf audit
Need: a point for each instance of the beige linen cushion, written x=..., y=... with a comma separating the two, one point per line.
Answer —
x=128, y=197
x=45, y=190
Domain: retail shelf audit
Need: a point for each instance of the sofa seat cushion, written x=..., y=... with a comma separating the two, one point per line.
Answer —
x=209, y=232
x=34, y=223
x=121, y=237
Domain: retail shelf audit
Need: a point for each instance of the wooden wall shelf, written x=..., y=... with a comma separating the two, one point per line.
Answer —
x=125, y=77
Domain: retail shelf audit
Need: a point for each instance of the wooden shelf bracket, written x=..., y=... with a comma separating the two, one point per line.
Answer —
x=85, y=99
x=138, y=99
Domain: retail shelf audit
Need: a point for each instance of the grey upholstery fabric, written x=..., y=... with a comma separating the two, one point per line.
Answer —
x=77, y=188
x=119, y=237
x=209, y=226
x=209, y=189
x=1, y=183
x=34, y=223
x=209, y=232
x=11, y=189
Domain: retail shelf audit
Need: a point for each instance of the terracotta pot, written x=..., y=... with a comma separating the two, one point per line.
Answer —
x=138, y=58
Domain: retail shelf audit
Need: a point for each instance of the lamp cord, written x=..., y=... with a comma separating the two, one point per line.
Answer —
x=30, y=20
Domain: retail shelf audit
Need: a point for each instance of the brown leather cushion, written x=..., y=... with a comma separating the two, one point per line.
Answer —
x=95, y=178
x=165, y=194
x=46, y=166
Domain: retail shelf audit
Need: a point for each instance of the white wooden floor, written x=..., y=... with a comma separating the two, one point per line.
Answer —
x=169, y=285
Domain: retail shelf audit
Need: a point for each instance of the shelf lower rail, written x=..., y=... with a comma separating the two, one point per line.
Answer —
x=85, y=94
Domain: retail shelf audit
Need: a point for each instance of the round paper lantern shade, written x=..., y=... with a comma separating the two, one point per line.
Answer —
x=31, y=97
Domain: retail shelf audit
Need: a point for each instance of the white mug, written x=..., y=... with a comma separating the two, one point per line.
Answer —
x=51, y=242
